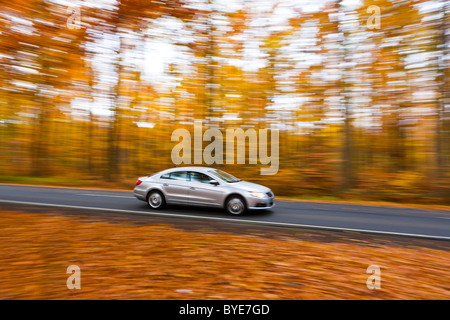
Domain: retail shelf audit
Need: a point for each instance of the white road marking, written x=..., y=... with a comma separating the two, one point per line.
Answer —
x=279, y=224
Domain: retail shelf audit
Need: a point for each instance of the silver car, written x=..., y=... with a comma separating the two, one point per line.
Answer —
x=202, y=186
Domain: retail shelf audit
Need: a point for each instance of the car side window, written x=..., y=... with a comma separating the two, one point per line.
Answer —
x=165, y=176
x=178, y=175
x=200, y=177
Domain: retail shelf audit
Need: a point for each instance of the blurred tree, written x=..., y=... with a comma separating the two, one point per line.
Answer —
x=362, y=112
x=443, y=125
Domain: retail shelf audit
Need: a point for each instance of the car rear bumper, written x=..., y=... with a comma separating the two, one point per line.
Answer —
x=140, y=194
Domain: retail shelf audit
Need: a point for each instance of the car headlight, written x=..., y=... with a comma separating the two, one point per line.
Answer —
x=257, y=194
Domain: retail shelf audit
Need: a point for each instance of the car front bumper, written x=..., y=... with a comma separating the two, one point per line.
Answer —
x=260, y=203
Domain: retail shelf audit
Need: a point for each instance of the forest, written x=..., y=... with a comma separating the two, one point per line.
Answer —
x=359, y=90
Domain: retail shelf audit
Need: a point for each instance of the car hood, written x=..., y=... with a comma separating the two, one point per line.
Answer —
x=249, y=186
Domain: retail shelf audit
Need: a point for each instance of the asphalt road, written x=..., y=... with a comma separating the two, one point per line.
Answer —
x=424, y=223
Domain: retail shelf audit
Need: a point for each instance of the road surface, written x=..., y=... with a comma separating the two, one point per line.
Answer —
x=423, y=223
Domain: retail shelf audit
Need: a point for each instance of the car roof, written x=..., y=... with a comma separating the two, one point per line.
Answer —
x=191, y=168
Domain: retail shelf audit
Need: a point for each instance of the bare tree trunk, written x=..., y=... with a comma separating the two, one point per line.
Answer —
x=113, y=167
x=442, y=134
x=210, y=52
x=347, y=148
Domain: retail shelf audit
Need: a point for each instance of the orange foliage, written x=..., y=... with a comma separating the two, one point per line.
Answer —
x=119, y=260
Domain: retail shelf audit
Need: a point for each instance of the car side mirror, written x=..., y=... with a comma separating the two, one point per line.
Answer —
x=214, y=182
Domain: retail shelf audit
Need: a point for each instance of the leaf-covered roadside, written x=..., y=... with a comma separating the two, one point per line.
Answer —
x=127, y=261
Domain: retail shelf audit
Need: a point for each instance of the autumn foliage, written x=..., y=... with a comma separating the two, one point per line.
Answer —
x=363, y=111
x=122, y=259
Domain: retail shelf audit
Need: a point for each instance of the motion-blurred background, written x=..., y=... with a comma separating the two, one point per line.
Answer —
x=91, y=91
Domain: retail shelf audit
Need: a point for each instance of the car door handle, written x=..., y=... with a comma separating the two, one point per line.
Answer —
x=165, y=184
x=192, y=188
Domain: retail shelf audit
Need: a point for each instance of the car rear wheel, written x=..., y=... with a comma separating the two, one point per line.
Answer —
x=156, y=200
x=235, y=205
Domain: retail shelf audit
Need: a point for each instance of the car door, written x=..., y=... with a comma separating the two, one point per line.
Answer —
x=201, y=191
x=175, y=186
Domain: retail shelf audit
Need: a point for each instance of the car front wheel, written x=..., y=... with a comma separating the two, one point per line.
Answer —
x=235, y=205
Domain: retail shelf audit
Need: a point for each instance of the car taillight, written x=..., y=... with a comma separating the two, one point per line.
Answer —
x=138, y=182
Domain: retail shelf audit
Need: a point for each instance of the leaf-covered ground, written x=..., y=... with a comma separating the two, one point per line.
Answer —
x=158, y=261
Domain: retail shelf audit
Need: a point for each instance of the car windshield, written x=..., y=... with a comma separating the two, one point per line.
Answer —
x=225, y=176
